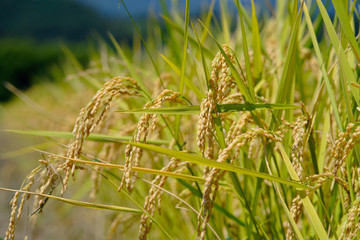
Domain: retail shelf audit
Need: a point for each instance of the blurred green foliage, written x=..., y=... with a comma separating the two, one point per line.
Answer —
x=23, y=60
x=51, y=19
x=30, y=32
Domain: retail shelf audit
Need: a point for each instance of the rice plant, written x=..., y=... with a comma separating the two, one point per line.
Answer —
x=215, y=130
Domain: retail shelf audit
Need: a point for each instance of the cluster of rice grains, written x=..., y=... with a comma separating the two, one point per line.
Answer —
x=220, y=85
x=241, y=134
x=54, y=172
x=243, y=131
x=340, y=151
x=28, y=183
x=145, y=126
x=153, y=199
x=342, y=148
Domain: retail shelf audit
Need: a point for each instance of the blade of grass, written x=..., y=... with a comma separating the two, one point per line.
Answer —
x=186, y=37
x=135, y=169
x=249, y=78
x=239, y=192
x=282, y=202
x=208, y=162
x=242, y=12
x=323, y=143
x=132, y=199
x=188, y=82
x=345, y=69
x=224, y=21
x=348, y=73
x=345, y=24
x=309, y=208
x=130, y=66
x=77, y=203
x=177, y=28
x=220, y=136
x=346, y=97
x=183, y=66
x=288, y=71
x=256, y=43
x=92, y=137
x=203, y=61
x=144, y=42
x=222, y=108
x=210, y=13
x=71, y=56
x=172, y=34
x=323, y=70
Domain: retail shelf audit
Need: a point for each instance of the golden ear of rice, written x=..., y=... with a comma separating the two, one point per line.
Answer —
x=145, y=127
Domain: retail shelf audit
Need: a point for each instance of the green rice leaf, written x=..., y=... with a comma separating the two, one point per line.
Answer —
x=288, y=214
x=256, y=43
x=78, y=203
x=129, y=66
x=192, y=40
x=183, y=66
x=243, y=12
x=210, y=13
x=288, y=71
x=222, y=108
x=69, y=54
x=188, y=82
x=323, y=143
x=309, y=208
x=186, y=37
x=137, y=169
x=323, y=70
x=144, y=42
x=345, y=24
x=92, y=137
x=220, y=136
x=203, y=61
x=348, y=73
x=224, y=21
x=211, y=163
x=249, y=78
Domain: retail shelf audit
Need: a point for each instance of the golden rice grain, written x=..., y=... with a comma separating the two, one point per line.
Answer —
x=295, y=212
x=154, y=197
x=212, y=179
x=145, y=127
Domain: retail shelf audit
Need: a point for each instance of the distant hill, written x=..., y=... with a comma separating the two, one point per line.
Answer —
x=51, y=19
x=30, y=31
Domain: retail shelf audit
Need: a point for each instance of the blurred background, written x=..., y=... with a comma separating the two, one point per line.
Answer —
x=45, y=44
x=37, y=40
x=33, y=33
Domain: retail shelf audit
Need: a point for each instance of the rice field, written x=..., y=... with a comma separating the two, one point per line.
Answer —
x=226, y=126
